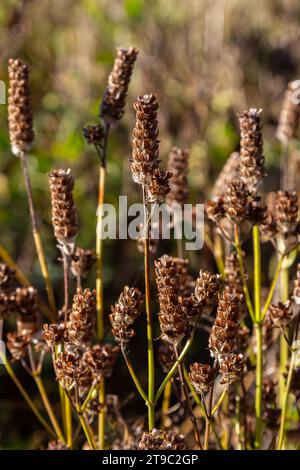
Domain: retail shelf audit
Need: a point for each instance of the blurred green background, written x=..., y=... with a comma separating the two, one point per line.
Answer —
x=206, y=60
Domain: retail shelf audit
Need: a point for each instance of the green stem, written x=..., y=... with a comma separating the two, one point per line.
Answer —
x=258, y=385
x=87, y=431
x=285, y=402
x=166, y=403
x=272, y=288
x=49, y=409
x=241, y=263
x=13, y=376
x=68, y=420
x=134, y=377
x=257, y=273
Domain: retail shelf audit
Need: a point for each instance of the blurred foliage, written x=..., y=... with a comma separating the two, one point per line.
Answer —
x=205, y=60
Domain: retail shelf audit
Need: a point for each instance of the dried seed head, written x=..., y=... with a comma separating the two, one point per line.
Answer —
x=82, y=261
x=7, y=304
x=19, y=107
x=94, y=135
x=166, y=356
x=178, y=167
x=252, y=162
x=237, y=201
x=215, y=210
x=64, y=214
x=173, y=322
x=223, y=336
x=17, y=345
x=55, y=333
x=158, y=186
x=281, y=314
x=160, y=440
x=286, y=212
x=202, y=377
x=145, y=144
x=6, y=278
x=187, y=282
x=100, y=359
x=232, y=367
x=230, y=171
x=207, y=290
x=70, y=369
x=296, y=292
x=26, y=307
x=173, y=441
x=125, y=311
x=113, y=102
x=289, y=116
x=82, y=317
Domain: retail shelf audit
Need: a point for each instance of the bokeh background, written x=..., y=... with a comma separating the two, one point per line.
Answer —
x=206, y=61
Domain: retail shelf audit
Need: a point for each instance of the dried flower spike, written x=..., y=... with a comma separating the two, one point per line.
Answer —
x=100, y=359
x=237, y=201
x=202, y=377
x=232, y=368
x=26, y=302
x=64, y=214
x=286, y=212
x=82, y=317
x=207, y=290
x=54, y=334
x=82, y=261
x=113, y=103
x=281, y=314
x=178, y=167
x=252, y=161
x=125, y=311
x=19, y=107
x=94, y=134
x=289, y=116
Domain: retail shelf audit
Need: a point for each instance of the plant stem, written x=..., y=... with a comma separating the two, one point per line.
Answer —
x=285, y=402
x=33, y=407
x=174, y=368
x=258, y=385
x=151, y=384
x=134, y=377
x=166, y=403
x=50, y=412
x=24, y=281
x=284, y=350
x=241, y=263
x=99, y=254
x=272, y=288
x=68, y=420
x=87, y=432
x=37, y=236
x=66, y=284
x=101, y=416
x=257, y=272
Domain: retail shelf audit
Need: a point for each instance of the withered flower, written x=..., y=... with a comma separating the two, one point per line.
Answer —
x=113, y=103
x=123, y=314
x=202, y=377
x=207, y=289
x=17, y=344
x=82, y=317
x=281, y=314
x=82, y=261
x=232, y=367
x=94, y=134
x=71, y=369
x=54, y=333
x=100, y=359
x=166, y=356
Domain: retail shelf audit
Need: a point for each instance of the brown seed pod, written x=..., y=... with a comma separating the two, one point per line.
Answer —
x=19, y=107
x=82, y=262
x=252, y=161
x=237, y=201
x=17, y=345
x=178, y=167
x=113, y=102
x=207, y=289
x=64, y=214
x=70, y=369
x=100, y=359
x=125, y=311
x=166, y=356
x=286, y=212
x=232, y=367
x=82, y=317
x=94, y=135
x=26, y=301
x=55, y=333
x=281, y=314
x=202, y=377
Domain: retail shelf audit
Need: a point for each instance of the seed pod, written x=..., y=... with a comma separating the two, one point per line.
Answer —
x=94, y=135
x=289, y=116
x=286, y=212
x=178, y=167
x=207, y=290
x=100, y=359
x=232, y=368
x=64, y=214
x=17, y=345
x=125, y=311
x=202, y=377
x=113, y=103
x=19, y=107
x=70, y=370
x=82, y=317
x=152, y=440
x=281, y=314
x=82, y=261
x=55, y=333
x=237, y=201
x=26, y=307
x=252, y=161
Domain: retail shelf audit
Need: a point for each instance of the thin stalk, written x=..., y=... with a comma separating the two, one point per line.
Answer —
x=87, y=431
x=37, y=236
x=257, y=272
x=218, y=250
x=272, y=288
x=258, y=385
x=284, y=349
x=285, y=402
x=241, y=263
x=209, y=413
x=23, y=392
x=151, y=384
x=219, y=402
x=101, y=416
x=68, y=420
x=24, y=281
x=47, y=404
x=134, y=377
x=166, y=403
x=173, y=368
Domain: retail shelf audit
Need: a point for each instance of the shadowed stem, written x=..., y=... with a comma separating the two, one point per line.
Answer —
x=151, y=403
x=166, y=403
x=21, y=389
x=37, y=236
x=134, y=377
x=284, y=350
x=49, y=409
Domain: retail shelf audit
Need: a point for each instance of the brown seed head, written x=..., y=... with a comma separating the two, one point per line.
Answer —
x=82, y=261
x=17, y=345
x=202, y=377
x=82, y=317
x=178, y=167
x=94, y=134
x=100, y=359
x=55, y=333
x=289, y=116
x=281, y=314
x=232, y=367
x=26, y=302
x=64, y=214
x=215, y=210
x=70, y=369
x=207, y=289
x=237, y=201
x=19, y=107
x=125, y=311
x=166, y=356
x=114, y=98
x=252, y=162
x=286, y=212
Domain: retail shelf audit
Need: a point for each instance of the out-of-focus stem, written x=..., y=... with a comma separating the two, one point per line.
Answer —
x=166, y=403
x=37, y=236
x=284, y=350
